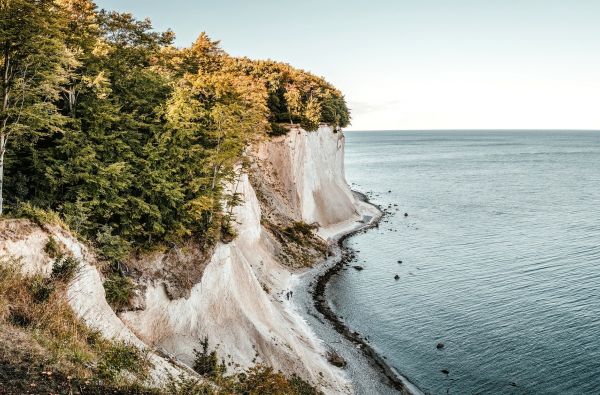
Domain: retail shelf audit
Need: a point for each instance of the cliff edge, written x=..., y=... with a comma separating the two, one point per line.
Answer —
x=294, y=199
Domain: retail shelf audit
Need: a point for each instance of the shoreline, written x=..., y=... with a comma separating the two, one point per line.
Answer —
x=321, y=274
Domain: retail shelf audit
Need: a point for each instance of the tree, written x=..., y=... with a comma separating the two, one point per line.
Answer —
x=312, y=114
x=130, y=139
x=33, y=65
x=293, y=100
x=82, y=38
x=204, y=55
x=213, y=117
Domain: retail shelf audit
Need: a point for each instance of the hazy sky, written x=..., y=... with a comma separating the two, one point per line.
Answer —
x=419, y=64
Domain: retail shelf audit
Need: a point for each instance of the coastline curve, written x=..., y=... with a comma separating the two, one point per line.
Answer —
x=314, y=306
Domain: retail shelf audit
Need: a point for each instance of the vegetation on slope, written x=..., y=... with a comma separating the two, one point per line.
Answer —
x=44, y=348
x=107, y=127
x=125, y=136
x=129, y=140
x=42, y=343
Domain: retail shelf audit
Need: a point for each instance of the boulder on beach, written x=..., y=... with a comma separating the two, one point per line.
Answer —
x=336, y=359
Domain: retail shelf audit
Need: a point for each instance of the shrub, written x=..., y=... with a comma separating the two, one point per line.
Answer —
x=52, y=248
x=65, y=268
x=299, y=232
x=41, y=288
x=36, y=214
x=228, y=232
x=302, y=387
x=264, y=380
x=119, y=291
x=207, y=363
x=19, y=317
x=278, y=129
x=111, y=247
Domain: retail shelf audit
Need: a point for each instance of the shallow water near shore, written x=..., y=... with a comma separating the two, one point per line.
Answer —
x=500, y=259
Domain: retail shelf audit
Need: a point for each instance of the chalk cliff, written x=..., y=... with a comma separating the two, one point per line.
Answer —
x=240, y=302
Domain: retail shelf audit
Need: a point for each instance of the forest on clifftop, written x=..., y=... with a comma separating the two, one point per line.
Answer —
x=126, y=137
x=110, y=131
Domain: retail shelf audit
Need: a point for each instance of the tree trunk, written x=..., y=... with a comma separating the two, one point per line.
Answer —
x=5, y=77
x=3, y=135
x=71, y=97
x=2, y=151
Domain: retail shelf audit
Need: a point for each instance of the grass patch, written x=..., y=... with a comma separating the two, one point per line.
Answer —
x=122, y=357
x=183, y=385
x=37, y=308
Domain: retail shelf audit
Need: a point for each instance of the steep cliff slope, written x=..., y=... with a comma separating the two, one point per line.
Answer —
x=241, y=302
x=302, y=174
x=26, y=241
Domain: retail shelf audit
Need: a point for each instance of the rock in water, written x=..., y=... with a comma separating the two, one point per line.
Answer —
x=439, y=346
x=396, y=277
x=359, y=268
x=445, y=371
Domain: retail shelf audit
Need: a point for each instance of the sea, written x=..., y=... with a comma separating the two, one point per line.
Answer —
x=494, y=237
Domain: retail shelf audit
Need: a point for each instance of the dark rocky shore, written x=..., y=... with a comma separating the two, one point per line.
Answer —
x=322, y=305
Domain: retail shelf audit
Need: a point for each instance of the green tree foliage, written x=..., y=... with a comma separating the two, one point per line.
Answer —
x=211, y=118
x=294, y=95
x=33, y=65
x=130, y=140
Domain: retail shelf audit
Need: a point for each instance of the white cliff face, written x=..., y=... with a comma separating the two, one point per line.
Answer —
x=240, y=302
x=309, y=166
x=240, y=306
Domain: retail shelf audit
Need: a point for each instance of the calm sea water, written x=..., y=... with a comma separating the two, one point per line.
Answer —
x=501, y=259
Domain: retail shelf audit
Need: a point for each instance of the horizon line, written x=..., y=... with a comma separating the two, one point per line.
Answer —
x=474, y=129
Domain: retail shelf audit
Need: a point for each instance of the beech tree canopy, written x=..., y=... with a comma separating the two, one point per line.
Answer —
x=128, y=138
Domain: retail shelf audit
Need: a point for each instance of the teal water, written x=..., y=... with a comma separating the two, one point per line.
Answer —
x=500, y=259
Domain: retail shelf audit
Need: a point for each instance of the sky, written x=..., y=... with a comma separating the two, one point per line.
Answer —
x=420, y=64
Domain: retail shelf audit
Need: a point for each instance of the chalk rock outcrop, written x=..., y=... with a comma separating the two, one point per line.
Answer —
x=240, y=302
